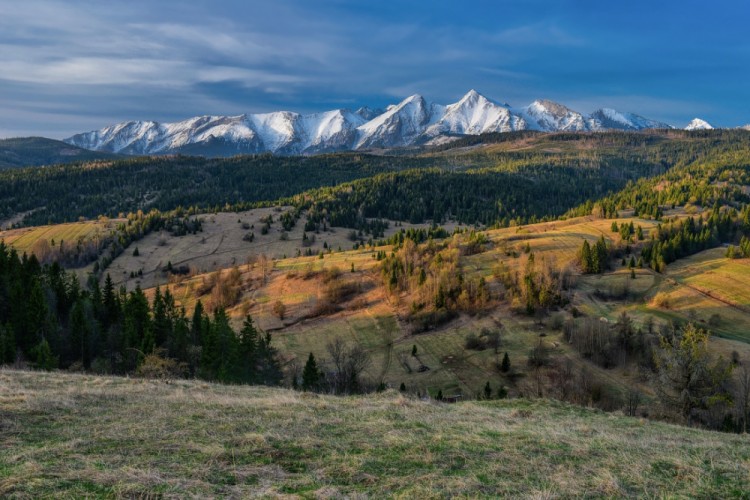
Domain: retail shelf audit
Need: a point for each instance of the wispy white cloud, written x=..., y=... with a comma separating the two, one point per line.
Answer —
x=539, y=33
x=86, y=61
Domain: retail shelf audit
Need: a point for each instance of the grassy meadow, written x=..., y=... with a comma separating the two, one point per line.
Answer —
x=374, y=319
x=74, y=436
x=24, y=239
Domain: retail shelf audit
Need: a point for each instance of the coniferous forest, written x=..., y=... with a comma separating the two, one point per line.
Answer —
x=99, y=328
x=47, y=317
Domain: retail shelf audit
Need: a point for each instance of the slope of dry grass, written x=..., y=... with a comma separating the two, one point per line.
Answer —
x=82, y=436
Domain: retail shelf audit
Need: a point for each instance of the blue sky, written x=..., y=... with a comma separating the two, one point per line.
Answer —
x=76, y=65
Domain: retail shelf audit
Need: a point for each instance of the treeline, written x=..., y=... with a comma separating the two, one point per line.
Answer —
x=690, y=381
x=103, y=248
x=537, y=285
x=66, y=192
x=487, y=187
x=714, y=174
x=594, y=259
x=678, y=239
x=432, y=275
x=519, y=187
x=741, y=251
x=491, y=197
x=47, y=320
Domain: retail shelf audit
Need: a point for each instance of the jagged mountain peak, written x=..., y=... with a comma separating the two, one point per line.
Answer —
x=411, y=121
x=471, y=96
x=368, y=113
x=475, y=114
x=550, y=106
x=547, y=115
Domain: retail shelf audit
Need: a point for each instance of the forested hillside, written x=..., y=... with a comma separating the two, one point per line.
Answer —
x=522, y=177
x=65, y=193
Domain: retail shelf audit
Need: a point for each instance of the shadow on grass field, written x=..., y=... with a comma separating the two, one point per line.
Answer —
x=78, y=436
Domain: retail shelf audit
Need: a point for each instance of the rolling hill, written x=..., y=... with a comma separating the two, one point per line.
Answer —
x=37, y=151
x=84, y=436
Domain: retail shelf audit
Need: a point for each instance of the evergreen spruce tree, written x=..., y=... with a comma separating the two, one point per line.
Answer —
x=225, y=348
x=268, y=368
x=7, y=345
x=487, y=390
x=505, y=365
x=209, y=352
x=586, y=258
x=80, y=335
x=248, y=351
x=162, y=324
x=311, y=375
x=196, y=325
x=43, y=356
x=179, y=339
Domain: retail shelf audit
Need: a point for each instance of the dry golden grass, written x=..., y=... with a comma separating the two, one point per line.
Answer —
x=374, y=319
x=23, y=239
x=221, y=245
x=84, y=436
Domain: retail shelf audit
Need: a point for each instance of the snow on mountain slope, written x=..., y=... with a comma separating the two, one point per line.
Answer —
x=399, y=125
x=152, y=137
x=412, y=121
x=698, y=124
x=135, y=135
x=367, y=113
x=329, y=131
x=608, y=118
x=550, y=116
x=475, y=114
x=232, y=129
x=276, y=130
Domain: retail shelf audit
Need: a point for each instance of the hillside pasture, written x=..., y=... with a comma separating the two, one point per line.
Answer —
x=224, y=243
x=75, y=436
x=376, y=320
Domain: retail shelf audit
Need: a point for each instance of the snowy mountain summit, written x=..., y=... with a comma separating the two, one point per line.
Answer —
x=413, y=121
x=698, y=124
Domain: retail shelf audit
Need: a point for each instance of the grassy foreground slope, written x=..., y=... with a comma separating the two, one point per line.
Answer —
x=68, y=435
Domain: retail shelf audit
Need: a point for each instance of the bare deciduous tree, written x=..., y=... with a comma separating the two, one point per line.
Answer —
x=348, y=363
x=741, y=398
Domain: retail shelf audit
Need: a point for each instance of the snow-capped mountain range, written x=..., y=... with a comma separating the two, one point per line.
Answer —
x=413, y=121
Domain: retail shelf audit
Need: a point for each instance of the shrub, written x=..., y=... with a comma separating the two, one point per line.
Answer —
x=474, y=342
x=427, y=320
x=714, y=320
x=156, y=366
x=661, y=300
x=557, y=321
x=279, y=309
